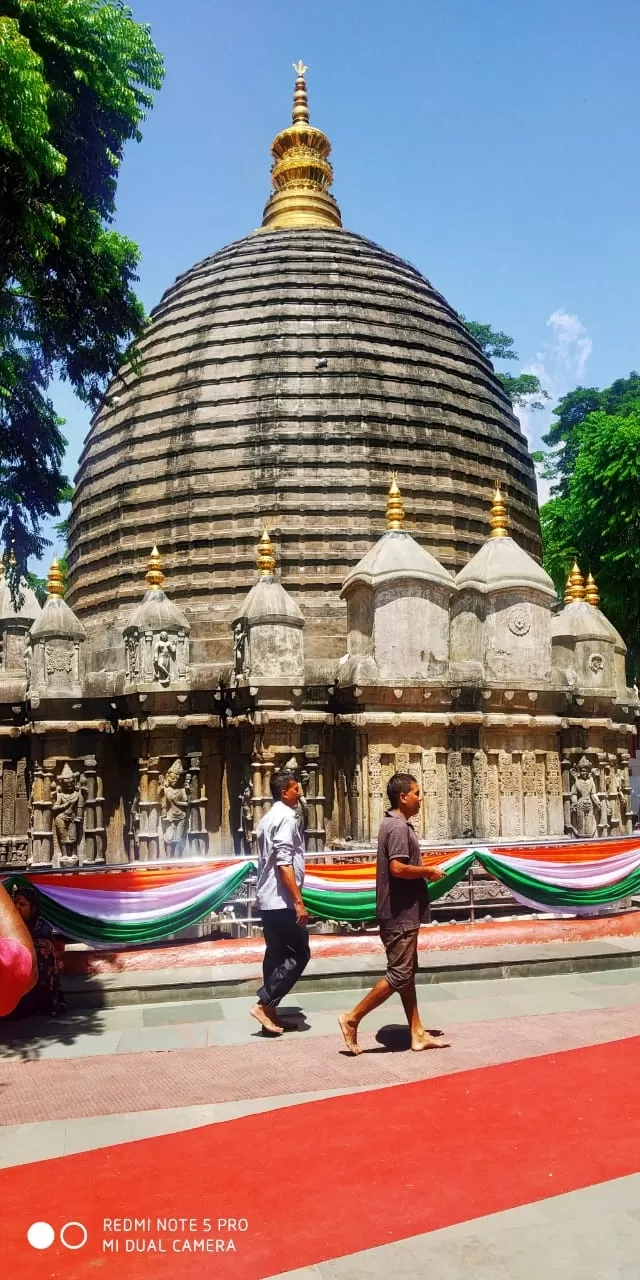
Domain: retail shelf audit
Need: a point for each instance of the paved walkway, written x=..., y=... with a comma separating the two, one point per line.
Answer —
x=231, y=1103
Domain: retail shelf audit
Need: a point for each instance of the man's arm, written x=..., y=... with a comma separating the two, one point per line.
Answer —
x=283, y=844
x=288, y=878
x=407, y=871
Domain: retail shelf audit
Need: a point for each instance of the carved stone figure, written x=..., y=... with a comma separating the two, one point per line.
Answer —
x=240, y=654
x=246, y=810
x=68, y=813
x=176, y=796
x=164, y=652
x=622, y=782
x=586, y=810
x=28, y=658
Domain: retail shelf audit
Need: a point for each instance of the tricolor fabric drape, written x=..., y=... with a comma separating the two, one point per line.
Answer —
x=146, y=903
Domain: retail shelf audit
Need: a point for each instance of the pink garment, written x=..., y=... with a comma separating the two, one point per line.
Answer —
x=16, y=972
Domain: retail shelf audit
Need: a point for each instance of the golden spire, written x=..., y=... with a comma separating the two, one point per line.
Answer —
x=498, y=518
x=395, y=505
x=55, y=581
x=567, y=590
x=154, y=575
x=301, y=174
x=591, y=593
x=266, y=557
x=575, y=584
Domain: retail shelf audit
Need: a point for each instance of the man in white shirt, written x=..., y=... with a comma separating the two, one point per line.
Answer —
x=284, y=916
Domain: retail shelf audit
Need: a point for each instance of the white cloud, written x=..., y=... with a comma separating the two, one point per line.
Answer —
x=561, y=365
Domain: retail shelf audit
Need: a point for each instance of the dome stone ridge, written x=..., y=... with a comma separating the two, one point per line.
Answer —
x=268, y=603
x=580, y=620
x=27, y=611
x=57, y=621
x=276, y=378
x=396, y=556
x=501, y=564
x=156, y=612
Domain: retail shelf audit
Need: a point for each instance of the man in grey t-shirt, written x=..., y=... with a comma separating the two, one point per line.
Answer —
x=402, y=902
x=279, y=894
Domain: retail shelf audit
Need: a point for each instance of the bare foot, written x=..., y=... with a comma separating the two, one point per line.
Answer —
x=260, y=1014
x=350, y=1032
x=427, y=1041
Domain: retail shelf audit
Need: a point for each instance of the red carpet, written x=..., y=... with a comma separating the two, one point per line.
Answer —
x=333, y=1177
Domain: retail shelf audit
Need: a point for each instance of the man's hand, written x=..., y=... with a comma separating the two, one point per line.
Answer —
x=302, y=915
x=433, y=874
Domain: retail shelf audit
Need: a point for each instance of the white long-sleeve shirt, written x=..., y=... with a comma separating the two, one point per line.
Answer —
x=280, y=844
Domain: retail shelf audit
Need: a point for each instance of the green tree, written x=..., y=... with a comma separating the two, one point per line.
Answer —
x=597, y=518
x=75, y=82
x=563, y=436
x=524, y=389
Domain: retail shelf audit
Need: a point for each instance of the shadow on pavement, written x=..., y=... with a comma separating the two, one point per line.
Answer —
x=26, y=1038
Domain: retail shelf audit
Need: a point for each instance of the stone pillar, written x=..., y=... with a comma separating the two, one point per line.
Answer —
x=376, y=803
x=42, y=846
x=149, y=831
x=94, y=832
x=554, y=789
x=315, y=800
x=479, y=795
x=197, y=839
x=565, y=766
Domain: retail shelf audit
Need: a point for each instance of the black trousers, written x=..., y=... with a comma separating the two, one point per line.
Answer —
x=286, y=954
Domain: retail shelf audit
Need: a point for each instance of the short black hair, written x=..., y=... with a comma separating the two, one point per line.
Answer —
x=281, y=781
x=398, y=786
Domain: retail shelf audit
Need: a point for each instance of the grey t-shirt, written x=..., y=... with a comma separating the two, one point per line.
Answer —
x=401, y=903
x=280, y=844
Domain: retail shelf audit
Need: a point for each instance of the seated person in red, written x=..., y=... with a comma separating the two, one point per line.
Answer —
x=18, y=969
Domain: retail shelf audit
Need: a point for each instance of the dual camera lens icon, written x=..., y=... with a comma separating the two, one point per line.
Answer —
x=73, y=1235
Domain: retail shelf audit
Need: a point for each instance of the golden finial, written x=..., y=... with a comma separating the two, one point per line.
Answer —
x=591, y=593
x=55, y=581
x=567, y=590
x=266, y=557
x=154, y=575
x=498, y=518
x=300, y=104
x=575, y=583
x=395, y=505
x=301, y=174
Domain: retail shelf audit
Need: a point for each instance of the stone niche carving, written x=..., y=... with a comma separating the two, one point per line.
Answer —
x=397, y=614
x=584, y=799
x=54, y=651
x=157, y=657
x=14, y=812
x=67, y=813
x=167, y=817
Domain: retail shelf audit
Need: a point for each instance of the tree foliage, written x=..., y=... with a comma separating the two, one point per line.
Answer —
x=524, y=389
x=563, y=437
x=75, y=84
x=597, y=517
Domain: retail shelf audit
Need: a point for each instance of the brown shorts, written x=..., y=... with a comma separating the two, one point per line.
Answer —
x=401, y=947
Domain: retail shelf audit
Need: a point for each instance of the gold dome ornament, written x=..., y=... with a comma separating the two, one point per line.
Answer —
x=154, y=576
x=575, y=584
x=266, y=557
x=591, y=593
x=395, y=505
x=55, y=581
x=301, y=174
x=498, y=518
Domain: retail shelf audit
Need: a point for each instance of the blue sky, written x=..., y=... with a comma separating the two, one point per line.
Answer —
x=492, y=144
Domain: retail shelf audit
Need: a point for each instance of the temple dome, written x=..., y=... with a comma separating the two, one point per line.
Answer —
x=281, y=380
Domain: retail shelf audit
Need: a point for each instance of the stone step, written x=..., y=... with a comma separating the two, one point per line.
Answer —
x=216, y=982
